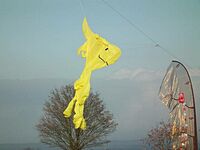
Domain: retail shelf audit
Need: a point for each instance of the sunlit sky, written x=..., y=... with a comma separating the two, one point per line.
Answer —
x=39, y=41
x=39, y=38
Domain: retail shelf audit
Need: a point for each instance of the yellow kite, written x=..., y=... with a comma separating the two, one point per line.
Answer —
x=98, y=53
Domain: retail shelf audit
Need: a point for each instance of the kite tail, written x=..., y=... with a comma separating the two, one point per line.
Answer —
x=82, y=87
x=79, y=120
x=68, y=111
x=82, y=90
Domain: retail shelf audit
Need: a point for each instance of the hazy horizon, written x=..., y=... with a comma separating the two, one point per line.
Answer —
x=136, y=111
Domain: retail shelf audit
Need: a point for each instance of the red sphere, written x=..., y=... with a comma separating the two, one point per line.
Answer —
x=181, y=98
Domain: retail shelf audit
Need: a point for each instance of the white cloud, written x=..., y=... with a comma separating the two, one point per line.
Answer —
x=142, y=74
x=194, y=72
x=139, y=74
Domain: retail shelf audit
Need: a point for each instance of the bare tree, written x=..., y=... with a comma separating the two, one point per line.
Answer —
x=57, y=131
x=159, y=138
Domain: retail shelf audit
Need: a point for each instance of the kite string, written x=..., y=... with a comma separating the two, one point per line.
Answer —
x=83, y=10
x=142, y=32
x=166, y=51
x=130, y=22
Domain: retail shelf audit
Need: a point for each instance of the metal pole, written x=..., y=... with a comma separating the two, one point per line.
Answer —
x=195, y=139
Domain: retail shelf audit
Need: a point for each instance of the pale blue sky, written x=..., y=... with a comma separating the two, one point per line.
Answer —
x=39, y=38
x=38, y=44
